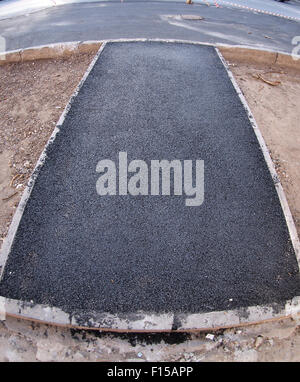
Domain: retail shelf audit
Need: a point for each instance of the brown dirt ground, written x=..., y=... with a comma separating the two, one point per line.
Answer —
x=32, y=97
x=277, y=113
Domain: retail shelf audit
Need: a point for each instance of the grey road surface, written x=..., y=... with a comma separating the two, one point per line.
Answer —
x=291, y=8
x=135, y=19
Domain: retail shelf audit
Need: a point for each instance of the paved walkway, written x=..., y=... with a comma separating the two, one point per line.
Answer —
x=75, y=249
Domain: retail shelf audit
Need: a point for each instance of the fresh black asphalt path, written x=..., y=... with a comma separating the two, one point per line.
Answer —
x=77, y=250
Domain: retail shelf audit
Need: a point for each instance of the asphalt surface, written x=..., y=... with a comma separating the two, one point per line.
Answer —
x=77, y=250
x=12, y=8
x=136, y=19
x=290, y=8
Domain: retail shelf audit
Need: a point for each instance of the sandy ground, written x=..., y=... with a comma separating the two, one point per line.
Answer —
x=32, y=97
x=277, y=113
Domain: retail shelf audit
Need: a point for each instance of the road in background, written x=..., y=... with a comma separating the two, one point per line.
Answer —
x=290, y=9
x=13, y=8
x=135, y=19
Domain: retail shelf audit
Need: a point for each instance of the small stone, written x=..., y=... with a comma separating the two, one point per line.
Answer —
x=259, y=340
x=210, y=337
x=140, y=354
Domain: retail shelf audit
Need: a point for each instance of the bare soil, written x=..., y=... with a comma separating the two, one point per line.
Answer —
x=32, y=97
x=276, y=109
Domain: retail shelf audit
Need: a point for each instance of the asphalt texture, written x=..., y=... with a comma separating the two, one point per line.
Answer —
x=290, y=8
x=77, y=250
x=149, y=19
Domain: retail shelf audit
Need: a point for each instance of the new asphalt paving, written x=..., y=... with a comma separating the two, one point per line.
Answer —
x=77, y=250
